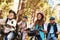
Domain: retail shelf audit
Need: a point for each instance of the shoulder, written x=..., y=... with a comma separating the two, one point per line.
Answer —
x=48, y=24
x=57, y=24
x=13, y=20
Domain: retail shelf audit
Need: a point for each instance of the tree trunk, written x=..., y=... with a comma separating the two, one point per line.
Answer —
x=20, y=9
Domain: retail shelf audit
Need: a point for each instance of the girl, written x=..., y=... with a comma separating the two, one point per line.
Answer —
x=39, y=25
x=11, y=21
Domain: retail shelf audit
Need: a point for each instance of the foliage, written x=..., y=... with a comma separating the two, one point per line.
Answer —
x=5, y=6
x=34, y=6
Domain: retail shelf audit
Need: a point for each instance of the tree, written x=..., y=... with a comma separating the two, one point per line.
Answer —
x=5, y=7
x=30, y=7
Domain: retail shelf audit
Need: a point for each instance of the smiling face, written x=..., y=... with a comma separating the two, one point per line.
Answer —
x=11, y=15
x=52, y=21
x=39, y=17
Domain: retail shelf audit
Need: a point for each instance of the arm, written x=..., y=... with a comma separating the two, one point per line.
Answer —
x=19, y=22
x=58, y=29
x=45, y=28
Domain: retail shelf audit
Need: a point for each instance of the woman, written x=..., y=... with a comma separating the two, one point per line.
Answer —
x=10, y=25
x=39, y=25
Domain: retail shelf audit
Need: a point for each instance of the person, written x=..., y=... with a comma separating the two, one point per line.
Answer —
x=39, y=25
x=23, y=26
x=10, y=26
x=52, y=30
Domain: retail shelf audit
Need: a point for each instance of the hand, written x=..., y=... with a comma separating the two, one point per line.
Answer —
x=57, y=32
x=44, y=31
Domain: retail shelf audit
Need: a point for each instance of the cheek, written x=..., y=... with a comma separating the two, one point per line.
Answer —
x=22, y=19
x=39, y=18
x=25, y=19
x=51, y=21
x=12, y=16
x=9, y=16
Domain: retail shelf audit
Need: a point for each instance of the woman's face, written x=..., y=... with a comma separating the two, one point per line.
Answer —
x=39, y=17
x=11, y=15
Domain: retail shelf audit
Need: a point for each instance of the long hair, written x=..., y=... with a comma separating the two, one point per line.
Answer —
x=41, y=21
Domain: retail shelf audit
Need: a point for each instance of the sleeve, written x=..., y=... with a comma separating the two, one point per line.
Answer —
x=45, y=26
x=58, y=28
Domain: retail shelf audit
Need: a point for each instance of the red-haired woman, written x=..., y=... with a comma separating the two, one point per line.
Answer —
x=39, y=25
